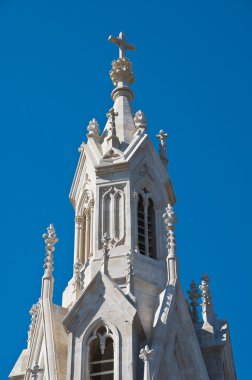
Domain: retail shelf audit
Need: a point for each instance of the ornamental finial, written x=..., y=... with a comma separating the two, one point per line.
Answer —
x=146, y=354
x=208, y=314
x=194, y=295
x=121, y=71
x=50, y=240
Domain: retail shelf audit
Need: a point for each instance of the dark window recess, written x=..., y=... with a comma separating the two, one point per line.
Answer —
x=140, y=218
x=150, y=228
x=101, y=364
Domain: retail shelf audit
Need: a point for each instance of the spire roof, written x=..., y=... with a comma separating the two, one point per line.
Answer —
x=121, y=75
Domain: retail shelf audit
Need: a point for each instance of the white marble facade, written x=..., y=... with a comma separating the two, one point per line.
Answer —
x=123, y=313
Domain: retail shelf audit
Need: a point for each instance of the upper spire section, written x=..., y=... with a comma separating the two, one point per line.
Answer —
x=121, y=74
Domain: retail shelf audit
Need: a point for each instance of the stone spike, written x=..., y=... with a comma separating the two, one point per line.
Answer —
x=170, y=219
x=194, y=296
x=50, y=240
x=208, y=314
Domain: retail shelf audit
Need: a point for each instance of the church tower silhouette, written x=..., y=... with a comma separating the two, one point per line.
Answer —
x=123, y=315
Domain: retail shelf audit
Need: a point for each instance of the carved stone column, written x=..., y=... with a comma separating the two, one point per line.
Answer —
x=78, y=239
x=146, y=205
x=87, y=234
x=91, y=204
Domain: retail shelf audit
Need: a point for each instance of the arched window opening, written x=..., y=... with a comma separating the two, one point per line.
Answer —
x=146, y=227
x=141, y=233
x=151, y=230
x=85, y=238
x=101, y=355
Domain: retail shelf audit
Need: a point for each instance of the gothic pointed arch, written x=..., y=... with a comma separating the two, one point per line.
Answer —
x=84, y=226
x=100, y=351
x=147, y=215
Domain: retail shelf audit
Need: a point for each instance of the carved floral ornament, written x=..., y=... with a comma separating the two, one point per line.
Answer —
x=93, y=127
x=121, y=71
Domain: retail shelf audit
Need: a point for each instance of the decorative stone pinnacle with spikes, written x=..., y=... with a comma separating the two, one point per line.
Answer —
x=34, y=314
x=50, y=240
x=208, y=314
x=93, y=127
x=194, y=296
x=170, y=219
x=170, y=216
x=35, y=371
x=140, y=120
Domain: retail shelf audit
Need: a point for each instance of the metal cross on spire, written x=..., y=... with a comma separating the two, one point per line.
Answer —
x=122, y=43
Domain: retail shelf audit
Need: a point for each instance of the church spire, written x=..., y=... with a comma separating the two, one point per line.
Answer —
x=121, y=75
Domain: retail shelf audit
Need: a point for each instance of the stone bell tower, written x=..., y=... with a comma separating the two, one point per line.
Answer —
x=123, y=313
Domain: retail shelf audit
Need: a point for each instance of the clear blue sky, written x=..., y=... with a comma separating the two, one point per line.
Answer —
x=193, y=78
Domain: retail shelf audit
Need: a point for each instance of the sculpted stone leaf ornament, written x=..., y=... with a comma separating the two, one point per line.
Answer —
x=93, y=127
x=121, y=72
x=34, y=312
x=162, y=136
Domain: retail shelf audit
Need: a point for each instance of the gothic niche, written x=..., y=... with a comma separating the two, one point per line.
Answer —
x=146, y=226
x=84, y=227
x=101, y=354
x=113, y=213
